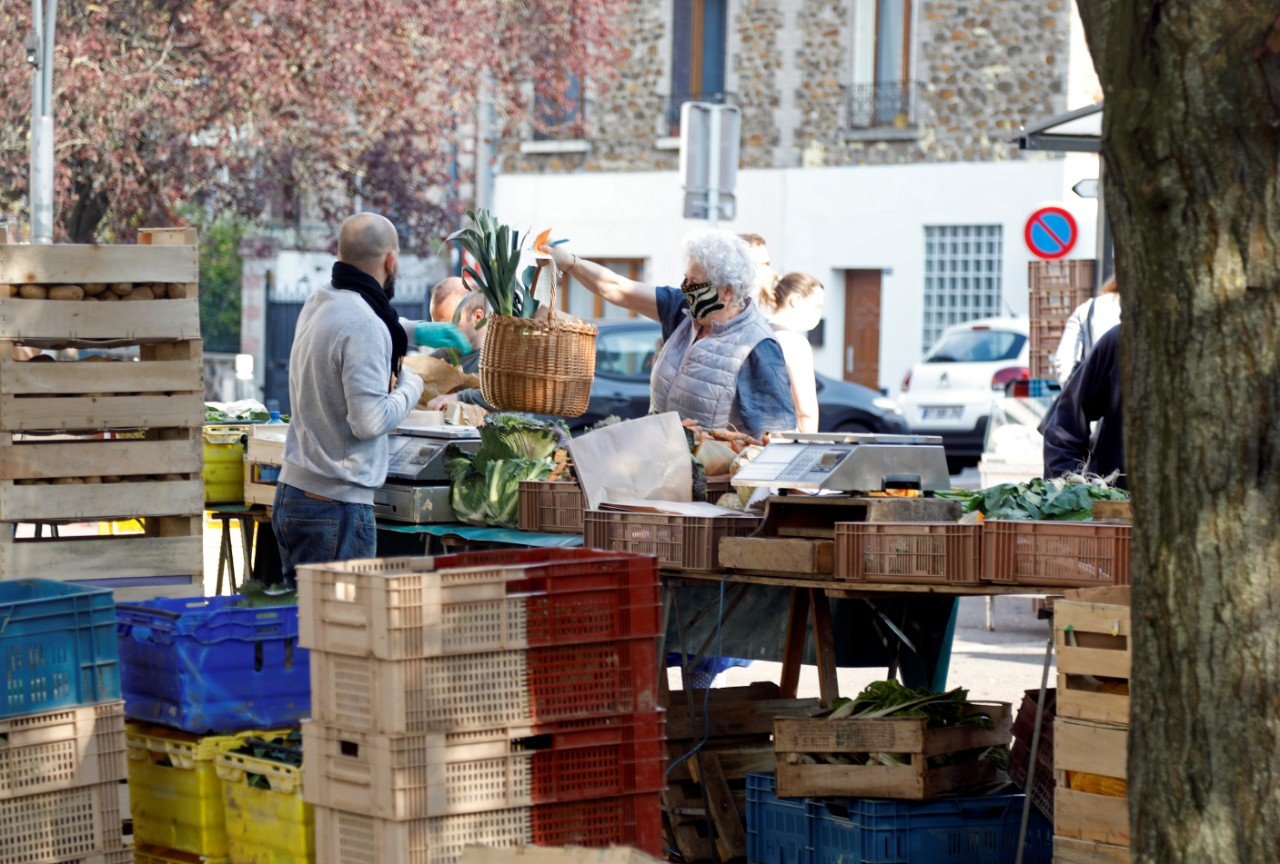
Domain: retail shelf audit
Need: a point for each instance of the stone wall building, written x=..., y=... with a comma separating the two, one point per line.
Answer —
x=875, y=135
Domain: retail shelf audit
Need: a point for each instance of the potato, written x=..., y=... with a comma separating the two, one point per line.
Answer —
x=122, y=288
x=66, y=292
x=93, y=289
x=33, y=292
x=177, y=291
x=108, y=296
x=92, y=480
x=66, y=481
x=140, y=292
x=110, y=478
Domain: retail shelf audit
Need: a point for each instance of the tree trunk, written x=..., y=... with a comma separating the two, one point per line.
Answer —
x=1191, y=141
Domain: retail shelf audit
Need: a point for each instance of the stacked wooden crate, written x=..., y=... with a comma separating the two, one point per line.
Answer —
x=1091, y=731
x=87, y=441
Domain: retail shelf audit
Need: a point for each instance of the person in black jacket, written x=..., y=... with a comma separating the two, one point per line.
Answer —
x=1092, y=394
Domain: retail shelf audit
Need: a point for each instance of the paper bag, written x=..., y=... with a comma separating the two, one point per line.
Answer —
x=439, y=377
x=638, y=460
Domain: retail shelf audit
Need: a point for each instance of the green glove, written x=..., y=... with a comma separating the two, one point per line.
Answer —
x=428, y=334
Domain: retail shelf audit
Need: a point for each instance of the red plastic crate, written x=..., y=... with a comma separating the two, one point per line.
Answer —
x=586, y=595
x=552, y=506
x=1056, y=554
x=582, y=680
x=601, y=757
x=411, y=608
x=484, y=691
x=627, y=820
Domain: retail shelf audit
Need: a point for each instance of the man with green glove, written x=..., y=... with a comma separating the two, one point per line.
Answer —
x=471, y=311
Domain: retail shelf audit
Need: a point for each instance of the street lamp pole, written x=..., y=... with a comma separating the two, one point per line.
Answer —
x=40, y=55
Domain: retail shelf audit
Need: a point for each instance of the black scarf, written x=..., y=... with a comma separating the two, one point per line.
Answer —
x=348, y=278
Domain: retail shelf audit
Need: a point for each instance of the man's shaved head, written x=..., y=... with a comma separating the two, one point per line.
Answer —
x=365, y=239
x=445, y=298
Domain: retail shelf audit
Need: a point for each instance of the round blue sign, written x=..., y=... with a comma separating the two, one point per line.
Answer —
x=1051, y=232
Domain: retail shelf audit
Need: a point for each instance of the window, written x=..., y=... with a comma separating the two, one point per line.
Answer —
x=626, y=353
x=962, y=267
x=697, y=56
x=882, y=92
x=977, y=346
x=559, y=117
x=579, y=302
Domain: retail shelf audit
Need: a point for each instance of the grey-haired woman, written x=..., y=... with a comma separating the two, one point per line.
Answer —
x=720, y=364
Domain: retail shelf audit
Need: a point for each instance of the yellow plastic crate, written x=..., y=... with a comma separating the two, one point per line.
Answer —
x=224, y=464
x=155, y=855
x=175, y=796
x=265, y=826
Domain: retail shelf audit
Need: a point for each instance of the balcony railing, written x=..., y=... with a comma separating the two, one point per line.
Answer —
x=885, y=104
x=671, y=110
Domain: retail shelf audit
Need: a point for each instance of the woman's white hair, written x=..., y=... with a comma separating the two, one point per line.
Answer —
x=726, y=258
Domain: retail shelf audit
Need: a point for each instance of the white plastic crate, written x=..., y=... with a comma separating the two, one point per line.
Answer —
x=62, y=749
x=350, y=838
x=68, y=825
x=476, y=691
x=414, y=776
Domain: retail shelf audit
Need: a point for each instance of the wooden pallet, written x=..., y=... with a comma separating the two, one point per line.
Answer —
x=705, y=802
x=101, y=441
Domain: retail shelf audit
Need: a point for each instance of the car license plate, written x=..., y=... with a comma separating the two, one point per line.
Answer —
x=942, y=412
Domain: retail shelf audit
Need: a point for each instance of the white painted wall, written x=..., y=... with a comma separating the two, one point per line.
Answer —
x=818, y=220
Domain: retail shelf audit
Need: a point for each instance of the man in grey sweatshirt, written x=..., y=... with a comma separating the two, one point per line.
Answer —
x=347, y=344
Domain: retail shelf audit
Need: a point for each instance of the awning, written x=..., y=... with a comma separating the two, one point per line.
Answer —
x=1078, y=131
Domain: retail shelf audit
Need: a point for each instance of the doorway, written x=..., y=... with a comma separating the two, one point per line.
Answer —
x=862, y=327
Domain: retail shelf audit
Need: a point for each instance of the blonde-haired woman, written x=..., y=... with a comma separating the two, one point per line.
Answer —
x=1085, y=327
x=793, y=306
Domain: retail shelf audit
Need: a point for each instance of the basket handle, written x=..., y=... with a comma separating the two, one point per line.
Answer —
x=554, y=283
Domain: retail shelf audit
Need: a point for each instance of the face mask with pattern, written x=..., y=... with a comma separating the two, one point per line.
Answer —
x=703, y=298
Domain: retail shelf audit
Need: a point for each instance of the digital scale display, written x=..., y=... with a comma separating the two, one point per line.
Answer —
x=795, y=463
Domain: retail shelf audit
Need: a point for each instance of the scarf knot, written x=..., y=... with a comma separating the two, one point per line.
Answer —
x=349, y=278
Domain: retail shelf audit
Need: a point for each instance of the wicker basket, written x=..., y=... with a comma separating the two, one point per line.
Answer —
x=541, y=367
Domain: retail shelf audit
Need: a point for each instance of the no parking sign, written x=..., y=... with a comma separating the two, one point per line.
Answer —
x=1051, y=232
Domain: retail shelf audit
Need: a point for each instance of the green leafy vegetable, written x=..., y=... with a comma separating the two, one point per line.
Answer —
x=496, y=249
x=513, y=448
x=1066, y=499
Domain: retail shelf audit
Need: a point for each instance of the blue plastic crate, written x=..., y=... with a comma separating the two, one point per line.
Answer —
x=779, y=830
x=946, y=831
x=58, y=646
x=210, y=666
x=1042, y=387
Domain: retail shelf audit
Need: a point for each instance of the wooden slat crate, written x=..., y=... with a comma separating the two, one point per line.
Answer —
x=1094, y=650
x=797, y=740
x=95, y=440
x=1068, y=850
x=1090, y=767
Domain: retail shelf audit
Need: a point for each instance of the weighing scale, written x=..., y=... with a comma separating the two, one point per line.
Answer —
x=418, y=488
x=850, y=478
x=838, y=462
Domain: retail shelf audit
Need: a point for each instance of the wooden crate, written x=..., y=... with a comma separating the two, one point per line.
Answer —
x=1068, y=850
x=1092, y=640
x=1101, y=751
x=96, y=441
x=795, y=740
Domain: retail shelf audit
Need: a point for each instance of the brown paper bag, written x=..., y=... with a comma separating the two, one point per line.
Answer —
x=439, y=377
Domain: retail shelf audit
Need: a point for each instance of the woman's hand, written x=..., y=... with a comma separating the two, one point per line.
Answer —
x=442, y=403
x=563, y=258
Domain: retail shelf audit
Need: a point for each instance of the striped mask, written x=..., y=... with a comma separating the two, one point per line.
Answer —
x=703, y=298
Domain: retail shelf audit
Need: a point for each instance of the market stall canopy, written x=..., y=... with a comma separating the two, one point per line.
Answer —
x=1078, y=131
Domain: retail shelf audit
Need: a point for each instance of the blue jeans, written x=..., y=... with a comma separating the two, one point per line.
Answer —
x=311, y=531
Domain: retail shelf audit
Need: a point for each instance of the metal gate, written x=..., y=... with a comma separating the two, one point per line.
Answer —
x=282, y=320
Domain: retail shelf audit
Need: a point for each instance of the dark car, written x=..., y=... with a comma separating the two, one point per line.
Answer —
x=625, y=351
